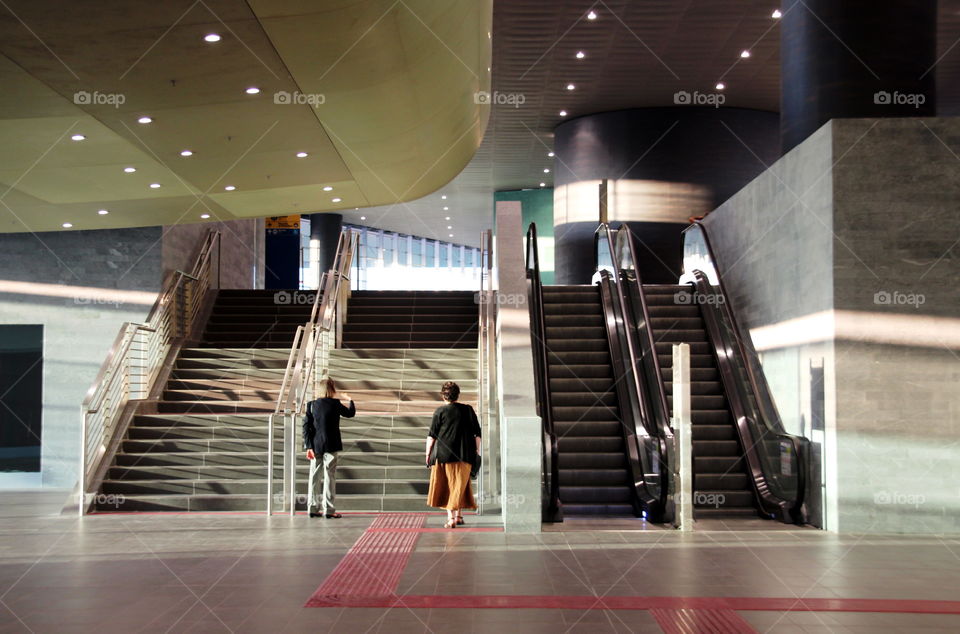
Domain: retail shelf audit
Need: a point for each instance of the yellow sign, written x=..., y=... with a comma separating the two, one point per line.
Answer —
x=283, y=222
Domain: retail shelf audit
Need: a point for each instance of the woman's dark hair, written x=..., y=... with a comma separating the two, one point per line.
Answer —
x=450, y=391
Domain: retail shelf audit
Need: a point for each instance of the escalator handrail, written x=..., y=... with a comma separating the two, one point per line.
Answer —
x=767, y=411
x=541, y=365
x=647, y=421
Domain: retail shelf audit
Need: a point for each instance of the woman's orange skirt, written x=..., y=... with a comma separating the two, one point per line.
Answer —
x=450, y=486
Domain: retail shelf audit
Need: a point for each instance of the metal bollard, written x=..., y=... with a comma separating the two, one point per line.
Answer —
x=683, y=437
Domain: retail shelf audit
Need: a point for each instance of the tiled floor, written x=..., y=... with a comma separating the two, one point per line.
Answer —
x=248, y=573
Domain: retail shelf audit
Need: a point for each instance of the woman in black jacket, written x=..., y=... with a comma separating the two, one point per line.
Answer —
x=453, y=445
x=321, y=439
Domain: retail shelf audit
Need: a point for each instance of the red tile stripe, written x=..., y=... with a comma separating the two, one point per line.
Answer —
x=771, y=604
x=372, y=567
x=686, y=621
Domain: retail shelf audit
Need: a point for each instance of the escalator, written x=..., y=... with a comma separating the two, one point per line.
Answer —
x=720, y=484
x=603, y=366
x=593, y=470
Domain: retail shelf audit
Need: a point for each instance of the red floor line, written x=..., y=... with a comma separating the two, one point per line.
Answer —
x=476, y=529
x=587, y=602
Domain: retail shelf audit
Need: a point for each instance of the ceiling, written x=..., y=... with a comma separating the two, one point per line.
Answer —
x=377, y=93
x=637, y=54
x=399, y=125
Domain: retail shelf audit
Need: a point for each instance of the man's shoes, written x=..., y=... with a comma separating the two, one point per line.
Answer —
x=334, y=516
x=312, y=514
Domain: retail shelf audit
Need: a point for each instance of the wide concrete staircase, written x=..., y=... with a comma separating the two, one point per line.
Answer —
x=204, y=448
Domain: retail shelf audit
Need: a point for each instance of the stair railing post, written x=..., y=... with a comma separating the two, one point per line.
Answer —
x=270, y=429
x=683, y=438
x=289, y=463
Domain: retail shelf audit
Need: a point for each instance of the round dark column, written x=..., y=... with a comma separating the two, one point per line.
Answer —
x=324, y=234
x=663, y=165
x=855, y=58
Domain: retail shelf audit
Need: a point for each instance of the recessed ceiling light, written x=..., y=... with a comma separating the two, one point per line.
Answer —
x=230, y=188
x=211, y=37
x=253, y=90
x=444, y=197
x=327, y=188
x=592, y=15
x=363, y=217
x=204, y=216
x=77, y=137
x=446, y=209
x=447, y=218
x=550, y=154
x=335, y=200
x=721, y=85
x=580, y=55
x=144, y=120
x=450, y=236
x=67, y=225
x=129, y=170
x=546, y=170
x=563, y=113
x=570, y=86
x=543, y=184
x=301, y=155
x=186, y=153
x=103, y=212
x=776, y=14
x=449, y=226
x=744, y=54
x=154, y=185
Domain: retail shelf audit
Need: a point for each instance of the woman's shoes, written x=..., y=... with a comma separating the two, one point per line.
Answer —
x=459, y=521
x=450, y=524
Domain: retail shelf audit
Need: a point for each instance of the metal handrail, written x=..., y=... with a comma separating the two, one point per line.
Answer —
x=300, y=376
x=725, y=349
x=135, y=360
x=650, y=414
x=552, y=511
x=487, y=367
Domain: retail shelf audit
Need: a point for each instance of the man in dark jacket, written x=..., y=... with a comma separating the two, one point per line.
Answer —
x=321, y=439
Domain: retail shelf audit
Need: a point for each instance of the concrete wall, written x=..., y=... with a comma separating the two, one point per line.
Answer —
x=241, y=252
x=841, y=257
x=81, y=286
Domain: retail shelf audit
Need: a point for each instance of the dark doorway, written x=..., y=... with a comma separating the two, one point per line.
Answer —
x=21, y=397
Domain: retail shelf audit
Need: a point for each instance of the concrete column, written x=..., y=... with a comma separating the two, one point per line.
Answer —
x=662, y=165
x=324, y=233
x=521, y=431
x=855, y=58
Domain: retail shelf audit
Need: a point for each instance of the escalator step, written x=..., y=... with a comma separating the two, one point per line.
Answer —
x=594, y=413
x=595, y=345
x=716, y=448
x=596, y=429
x=582, y=332
x=593, y=477
x=595, y=494
x=675, y=335
x=704, y=498
x=583, y=399
x=724, y=482
x=697, y=387
x=710, y=417
x=589, y=445
x=697, y=361
x=720, y=465
x=605, y=510
x=582, y=460
x=578, y=357
x=696, y=374
x=666, y=347
x=580, y=371
x=566, y=319
x=575, y=385
x=714, y=432
x=703, y=401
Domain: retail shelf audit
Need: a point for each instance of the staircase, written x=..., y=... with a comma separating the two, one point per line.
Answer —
x=203, y=446
x=411, y=319
x=720, y=482
x=594, y=477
